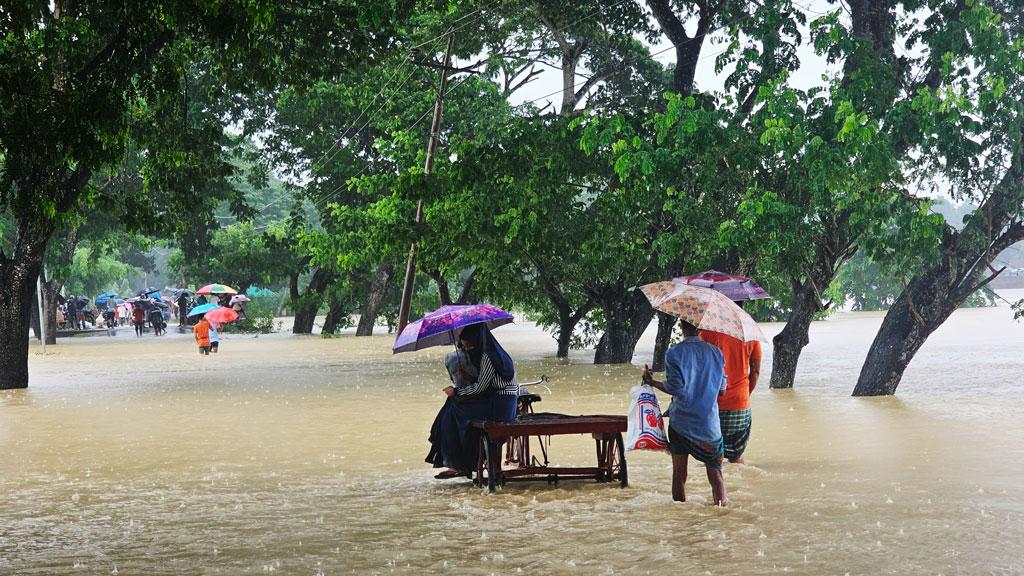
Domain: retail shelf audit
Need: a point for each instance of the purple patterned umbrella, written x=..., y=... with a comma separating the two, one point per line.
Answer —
x=733, y=286
x=443, y=325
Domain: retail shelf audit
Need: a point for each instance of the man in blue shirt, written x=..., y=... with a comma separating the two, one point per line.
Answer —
x=694, y=377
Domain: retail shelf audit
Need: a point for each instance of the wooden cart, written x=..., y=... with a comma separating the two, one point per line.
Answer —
x=606, y=431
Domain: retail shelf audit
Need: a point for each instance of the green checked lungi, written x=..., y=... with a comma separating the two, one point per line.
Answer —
x=710, y=454
x=735, y=431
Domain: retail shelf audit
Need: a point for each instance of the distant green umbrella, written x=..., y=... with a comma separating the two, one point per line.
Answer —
x=257, y=292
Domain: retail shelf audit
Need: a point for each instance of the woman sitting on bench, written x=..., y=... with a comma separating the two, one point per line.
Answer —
x=492, y=396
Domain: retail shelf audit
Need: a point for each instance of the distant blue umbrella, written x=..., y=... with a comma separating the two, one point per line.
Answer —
x=102, y=298
x=202, y=309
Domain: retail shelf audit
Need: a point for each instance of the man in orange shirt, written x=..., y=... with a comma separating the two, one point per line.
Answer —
x=202, y=333
x=742, y=369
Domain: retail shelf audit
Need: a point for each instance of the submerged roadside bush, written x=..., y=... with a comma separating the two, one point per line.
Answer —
x=260, y=313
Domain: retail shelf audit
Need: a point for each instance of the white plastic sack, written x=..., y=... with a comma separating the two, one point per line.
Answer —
x=646, y=429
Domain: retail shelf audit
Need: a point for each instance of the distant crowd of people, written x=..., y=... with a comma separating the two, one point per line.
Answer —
x=76, y=313
x=143, y=313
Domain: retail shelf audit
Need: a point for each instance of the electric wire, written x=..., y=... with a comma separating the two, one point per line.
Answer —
x=479, y=13
x=334, y=193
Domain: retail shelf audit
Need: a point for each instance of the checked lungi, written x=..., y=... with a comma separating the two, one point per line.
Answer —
x=735, y=431
x=709, y=454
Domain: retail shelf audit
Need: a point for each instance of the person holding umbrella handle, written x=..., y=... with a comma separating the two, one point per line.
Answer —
x=492, y=394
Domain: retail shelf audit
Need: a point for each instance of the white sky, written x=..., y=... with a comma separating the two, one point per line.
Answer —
x=809, y=75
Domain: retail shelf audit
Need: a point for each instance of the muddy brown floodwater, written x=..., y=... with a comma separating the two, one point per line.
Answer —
x=302, y=455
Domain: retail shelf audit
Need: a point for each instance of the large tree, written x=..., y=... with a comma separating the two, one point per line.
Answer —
x=831, y=178
x=969, y=122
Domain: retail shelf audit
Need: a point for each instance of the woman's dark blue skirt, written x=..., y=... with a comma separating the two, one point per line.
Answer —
x=453, y=441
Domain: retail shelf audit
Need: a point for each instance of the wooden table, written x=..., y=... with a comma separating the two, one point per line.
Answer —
x=606, y=431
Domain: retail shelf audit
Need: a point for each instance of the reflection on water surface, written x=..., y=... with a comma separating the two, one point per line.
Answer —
x=301, y=455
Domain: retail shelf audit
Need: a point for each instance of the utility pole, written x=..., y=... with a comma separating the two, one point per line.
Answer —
x=435, y=128
x=42, y=318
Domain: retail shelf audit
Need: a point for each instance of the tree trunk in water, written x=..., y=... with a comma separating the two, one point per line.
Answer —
x=927, y=301
x=15, y=299
x=791, y=341
x=626, y=318
x=567, y=321
x=52, y=286
x=51, y=289
x=304, y=318
x=309, y=303
x=17, y=284
x=334, y=315
x=564, y=339
x=940, y=288
x=897, y=341
x=378, y=291
x=666, y=322
x=293, y=293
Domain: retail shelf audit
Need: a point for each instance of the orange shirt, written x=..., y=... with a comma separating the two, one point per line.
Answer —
x=738, y=355
x=202, y=333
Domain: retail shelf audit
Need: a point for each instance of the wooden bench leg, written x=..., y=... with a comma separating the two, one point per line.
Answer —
x=604, y=466
x=481, y=459
x=623, y=472
x=492, y=453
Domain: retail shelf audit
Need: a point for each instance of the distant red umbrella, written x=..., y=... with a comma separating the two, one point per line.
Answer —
x=221, y=315
x=733, y=286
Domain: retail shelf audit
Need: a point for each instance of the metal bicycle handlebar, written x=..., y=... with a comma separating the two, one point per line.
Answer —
x=540, y=382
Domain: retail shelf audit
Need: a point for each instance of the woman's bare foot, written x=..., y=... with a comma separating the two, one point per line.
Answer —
x=738, y=460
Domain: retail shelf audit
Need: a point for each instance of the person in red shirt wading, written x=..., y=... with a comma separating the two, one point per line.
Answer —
x=742, y=369
x=139, y=316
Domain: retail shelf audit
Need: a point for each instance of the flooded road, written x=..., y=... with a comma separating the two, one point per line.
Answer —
x=302, y=455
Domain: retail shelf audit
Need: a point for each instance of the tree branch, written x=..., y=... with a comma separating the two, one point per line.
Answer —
x=443, y=293
x=557, y=33
x=467, y=286
x=668, y=21
x=590, y=83
x=933, y=78
x=582, y=311
x=985, y=282
x=117, y=42
x=529, y=77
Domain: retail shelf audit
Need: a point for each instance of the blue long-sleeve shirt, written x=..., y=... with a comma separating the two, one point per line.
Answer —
x=695, y=376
